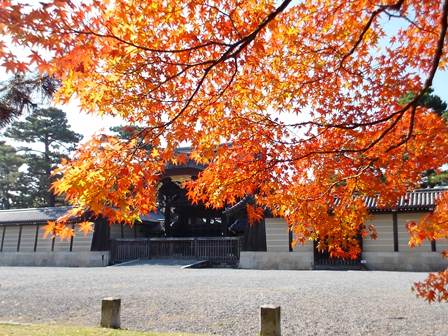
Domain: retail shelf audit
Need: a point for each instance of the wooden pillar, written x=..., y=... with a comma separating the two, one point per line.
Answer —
x=19, y=238
x=110, y=313
x=3, y=238
x=290, y=239
x=433, y=246
x=71, y=238
x=36, y=238
x=270, y=321
x=395, y=230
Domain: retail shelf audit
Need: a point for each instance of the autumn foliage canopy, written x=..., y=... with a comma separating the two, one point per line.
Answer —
x=298, y=103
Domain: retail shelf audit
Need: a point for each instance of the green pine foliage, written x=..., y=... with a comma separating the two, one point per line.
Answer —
x=48, y=139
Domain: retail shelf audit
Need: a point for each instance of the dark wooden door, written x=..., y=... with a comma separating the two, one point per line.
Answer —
x=323, y=260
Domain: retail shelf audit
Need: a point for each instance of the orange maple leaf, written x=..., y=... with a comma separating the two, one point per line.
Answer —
x=85, y=227
x=254, y=214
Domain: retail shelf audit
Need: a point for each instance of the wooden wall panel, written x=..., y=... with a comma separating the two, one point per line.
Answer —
x=115, y=231
x=128, y=232
x=28, y=238
x=385, y=240
x=61, y=245
x=11, y=238
x=43, y=244
x=277, y=236
x=82, y=242
x=403, y=235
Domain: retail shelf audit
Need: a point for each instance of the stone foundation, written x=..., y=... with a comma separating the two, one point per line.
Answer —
x=60, y=259
x=276, y=260
x=405, y=261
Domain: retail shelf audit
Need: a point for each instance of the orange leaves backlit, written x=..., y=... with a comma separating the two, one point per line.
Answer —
x=296, y=102
x=85, y=227
x=434, y=288
x=254, y=214
x=64, y=231
x=432, y=226
x=58, y=229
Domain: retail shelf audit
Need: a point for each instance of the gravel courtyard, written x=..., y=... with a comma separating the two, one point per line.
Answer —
x=223, y=301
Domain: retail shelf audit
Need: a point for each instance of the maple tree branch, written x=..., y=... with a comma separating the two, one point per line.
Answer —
x=229, y=16
x=141, y=47
x=230, y=53
x=369, y=23
x=406, y=18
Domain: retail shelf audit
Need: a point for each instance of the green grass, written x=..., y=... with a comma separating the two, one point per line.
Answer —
x=61, y=330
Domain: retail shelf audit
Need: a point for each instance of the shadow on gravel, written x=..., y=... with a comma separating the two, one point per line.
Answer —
x=183, y=263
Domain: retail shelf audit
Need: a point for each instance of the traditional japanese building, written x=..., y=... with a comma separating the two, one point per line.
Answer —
x=181, y=229
x=390, y=251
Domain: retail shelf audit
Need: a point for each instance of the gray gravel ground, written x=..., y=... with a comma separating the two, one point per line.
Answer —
x=223, y=301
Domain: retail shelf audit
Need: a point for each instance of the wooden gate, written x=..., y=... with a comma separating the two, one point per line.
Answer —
x=217, y=250
x=323, y=260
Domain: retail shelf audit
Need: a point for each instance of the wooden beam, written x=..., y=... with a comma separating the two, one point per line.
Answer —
x=433, y=246
x=395, y=228
x=3, y=238
x=19, y=238
x=36, y=237
x=71, y=238
x=290, y=238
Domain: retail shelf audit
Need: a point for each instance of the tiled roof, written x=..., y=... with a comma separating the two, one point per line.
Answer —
x=420, y=199
x=153, y=217
x=417, y=200
x=43, y=215
x=32, y=215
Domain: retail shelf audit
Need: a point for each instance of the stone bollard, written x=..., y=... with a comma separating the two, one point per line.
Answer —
x=270, y=321
x=110, y=313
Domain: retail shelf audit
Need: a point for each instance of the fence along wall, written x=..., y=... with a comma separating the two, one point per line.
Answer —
x=25, y=245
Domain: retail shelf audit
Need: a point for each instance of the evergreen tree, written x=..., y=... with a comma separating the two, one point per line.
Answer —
x=23, y=93
x=52, y=139
x=11, y=192
x=127, y=132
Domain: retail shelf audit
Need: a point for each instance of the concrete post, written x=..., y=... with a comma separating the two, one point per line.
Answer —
x=270, y=321
x=110, y=312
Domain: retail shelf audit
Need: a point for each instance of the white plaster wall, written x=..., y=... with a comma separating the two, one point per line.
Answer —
x=385, y=240
x=277, y=236
x=82, y=242
x=403, y=235
x=28, y=238
x=10, y=239
x=43, y=244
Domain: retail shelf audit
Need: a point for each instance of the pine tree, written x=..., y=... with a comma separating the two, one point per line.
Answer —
x=51, y=139
x=10, y=176
x=23, y=93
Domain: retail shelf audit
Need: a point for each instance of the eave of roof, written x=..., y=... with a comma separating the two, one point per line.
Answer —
x=413, y=201
x=43, y=215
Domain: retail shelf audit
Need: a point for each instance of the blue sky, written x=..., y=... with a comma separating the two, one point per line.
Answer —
x=440, y=85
